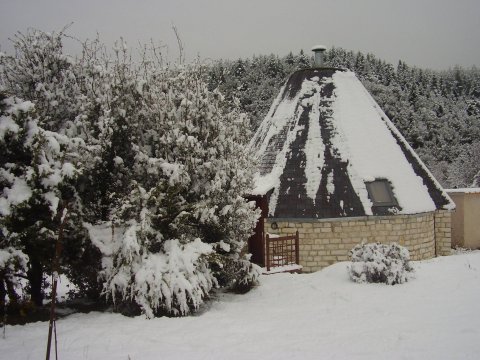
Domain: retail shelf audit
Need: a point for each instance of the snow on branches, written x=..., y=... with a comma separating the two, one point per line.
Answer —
x=37, y=173
x=144, y=147
x=34, y=162
x=187, y=187
x=175, y=279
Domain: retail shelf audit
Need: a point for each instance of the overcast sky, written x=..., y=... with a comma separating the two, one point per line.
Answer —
x=428, y=33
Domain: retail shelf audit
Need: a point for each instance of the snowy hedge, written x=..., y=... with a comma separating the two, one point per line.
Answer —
x=179, y=193
x=143, y=146
x=380, y=263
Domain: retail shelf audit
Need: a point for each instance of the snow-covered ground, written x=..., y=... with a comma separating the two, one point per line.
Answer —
x=311, y=316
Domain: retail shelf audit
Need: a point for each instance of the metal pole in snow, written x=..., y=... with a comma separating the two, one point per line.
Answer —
x=55, y=272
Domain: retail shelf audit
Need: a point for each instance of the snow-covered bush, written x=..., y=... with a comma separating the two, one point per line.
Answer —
x=112, y=121
x=188, y=174
x=40, y=72
x=140, y=146
x=380, y=263
x=240, y=275
x=45, y=152
x=175, y=279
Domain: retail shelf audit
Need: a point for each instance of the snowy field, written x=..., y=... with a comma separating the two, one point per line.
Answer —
x=311, y=316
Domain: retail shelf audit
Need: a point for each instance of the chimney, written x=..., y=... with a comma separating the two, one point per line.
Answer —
x=318, y=50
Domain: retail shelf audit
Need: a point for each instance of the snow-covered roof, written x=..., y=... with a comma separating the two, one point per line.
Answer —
x=323, y=139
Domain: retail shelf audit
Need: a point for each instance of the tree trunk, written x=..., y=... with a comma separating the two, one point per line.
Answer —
x=35, y=278
x=3, y=294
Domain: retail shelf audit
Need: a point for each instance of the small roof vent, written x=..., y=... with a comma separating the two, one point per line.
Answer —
x=318, y=50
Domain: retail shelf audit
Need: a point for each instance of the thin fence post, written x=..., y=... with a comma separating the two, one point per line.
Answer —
x=263, y=249
x=62, y=214
x=297, y=249
x=267, y=244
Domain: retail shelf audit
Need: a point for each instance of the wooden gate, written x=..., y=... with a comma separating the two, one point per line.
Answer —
x=282, y=251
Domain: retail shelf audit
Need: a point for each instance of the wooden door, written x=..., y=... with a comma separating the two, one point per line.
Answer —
x=256, y=243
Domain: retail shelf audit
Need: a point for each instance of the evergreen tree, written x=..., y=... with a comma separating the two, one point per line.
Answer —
x=37, y=173
x=50, y=151
x=186, y=205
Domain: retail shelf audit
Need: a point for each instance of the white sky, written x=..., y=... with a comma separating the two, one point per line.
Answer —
x=429, y=33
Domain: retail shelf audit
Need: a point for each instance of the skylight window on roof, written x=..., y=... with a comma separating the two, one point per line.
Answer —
x=380, y=193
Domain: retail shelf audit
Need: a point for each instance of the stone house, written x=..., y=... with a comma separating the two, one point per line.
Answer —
x=333, y=167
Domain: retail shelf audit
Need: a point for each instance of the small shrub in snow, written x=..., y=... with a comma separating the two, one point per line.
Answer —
x=239, y=275
x=380, y=263
x=13, y=265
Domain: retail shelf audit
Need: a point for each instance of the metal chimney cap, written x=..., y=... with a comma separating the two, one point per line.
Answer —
x=319, y=48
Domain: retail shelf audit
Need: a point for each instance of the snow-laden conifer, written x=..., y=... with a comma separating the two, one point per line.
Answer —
x=37, y=172
x=186, y=203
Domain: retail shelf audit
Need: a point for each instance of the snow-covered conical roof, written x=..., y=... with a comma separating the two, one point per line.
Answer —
x=323, y=139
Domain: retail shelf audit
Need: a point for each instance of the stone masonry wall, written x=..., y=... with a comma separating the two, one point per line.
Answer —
x=326, y=241
x=443, y=231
